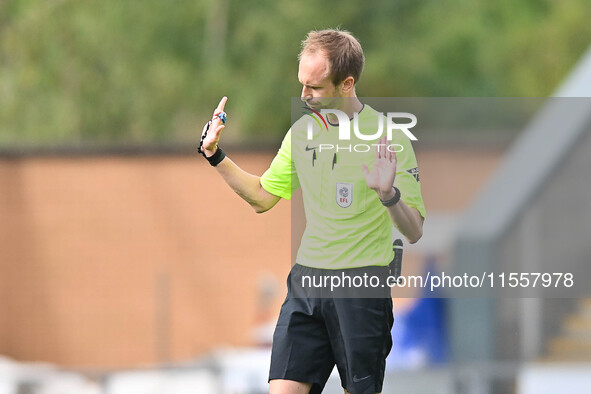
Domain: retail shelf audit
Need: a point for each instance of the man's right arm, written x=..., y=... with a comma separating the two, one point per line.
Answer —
x=247, y=186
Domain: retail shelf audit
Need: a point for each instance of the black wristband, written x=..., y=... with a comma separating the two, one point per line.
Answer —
x=219, y=154
x=394, y=200
x=217, y=157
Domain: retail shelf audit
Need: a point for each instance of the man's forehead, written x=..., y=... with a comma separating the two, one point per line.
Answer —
x=313, y=68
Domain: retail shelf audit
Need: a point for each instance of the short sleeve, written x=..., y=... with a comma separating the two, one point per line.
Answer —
x=281, y=178
x=407, y=177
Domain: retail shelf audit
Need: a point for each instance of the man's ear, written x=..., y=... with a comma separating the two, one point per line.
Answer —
x=348, y=84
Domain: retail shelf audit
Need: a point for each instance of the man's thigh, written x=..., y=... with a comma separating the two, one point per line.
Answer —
x=281, y=386
x=301, y=348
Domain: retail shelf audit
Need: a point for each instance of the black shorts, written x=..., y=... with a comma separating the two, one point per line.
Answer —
x=315, y=334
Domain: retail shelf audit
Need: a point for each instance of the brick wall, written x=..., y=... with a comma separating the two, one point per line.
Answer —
x=128, y=261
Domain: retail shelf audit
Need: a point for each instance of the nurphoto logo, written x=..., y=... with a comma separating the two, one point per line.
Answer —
x=344, y=125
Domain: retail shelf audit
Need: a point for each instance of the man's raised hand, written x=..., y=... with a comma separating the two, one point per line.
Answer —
x=381, y=177
x=210, y=143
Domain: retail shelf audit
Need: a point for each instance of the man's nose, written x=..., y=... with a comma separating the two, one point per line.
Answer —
x=306, y=94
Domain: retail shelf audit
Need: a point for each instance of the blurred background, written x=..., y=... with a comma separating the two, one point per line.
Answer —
x=127, y=266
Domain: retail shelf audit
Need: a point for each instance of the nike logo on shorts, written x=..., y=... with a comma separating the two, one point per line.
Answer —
x=357, y=380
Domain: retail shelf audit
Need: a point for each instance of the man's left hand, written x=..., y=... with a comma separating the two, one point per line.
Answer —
x=381, y=177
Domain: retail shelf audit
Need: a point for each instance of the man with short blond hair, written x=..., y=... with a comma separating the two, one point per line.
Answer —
x=351, y=201
x=342, y=50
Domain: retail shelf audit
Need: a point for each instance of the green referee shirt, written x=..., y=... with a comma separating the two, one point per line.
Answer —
x=346, y=225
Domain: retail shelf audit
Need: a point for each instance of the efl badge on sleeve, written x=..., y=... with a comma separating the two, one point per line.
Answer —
x=344, y=194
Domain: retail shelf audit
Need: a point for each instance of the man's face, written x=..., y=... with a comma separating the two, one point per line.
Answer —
x=318, y=88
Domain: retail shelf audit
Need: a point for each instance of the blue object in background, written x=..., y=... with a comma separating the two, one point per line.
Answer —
x=420, y=335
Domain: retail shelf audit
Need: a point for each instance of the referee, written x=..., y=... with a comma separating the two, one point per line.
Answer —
x=351, y=200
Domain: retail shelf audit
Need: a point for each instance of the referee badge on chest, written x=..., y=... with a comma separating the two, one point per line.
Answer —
x=344, y=194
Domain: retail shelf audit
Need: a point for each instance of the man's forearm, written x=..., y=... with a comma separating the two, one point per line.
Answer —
x=247, y=186
x=406, y=219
